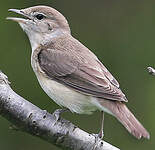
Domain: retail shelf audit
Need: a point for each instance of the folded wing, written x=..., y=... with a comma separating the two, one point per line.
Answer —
x=83, y=75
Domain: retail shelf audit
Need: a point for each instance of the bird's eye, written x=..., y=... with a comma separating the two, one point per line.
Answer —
x=39, y=16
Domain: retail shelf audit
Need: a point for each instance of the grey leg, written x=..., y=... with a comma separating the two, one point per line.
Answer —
x=101, y=133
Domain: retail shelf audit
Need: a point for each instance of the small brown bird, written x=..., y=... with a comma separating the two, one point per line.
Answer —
x=69, y=72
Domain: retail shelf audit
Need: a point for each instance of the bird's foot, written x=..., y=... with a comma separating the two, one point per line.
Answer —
x=57, y=113
x=101, y=134
x=98, y=138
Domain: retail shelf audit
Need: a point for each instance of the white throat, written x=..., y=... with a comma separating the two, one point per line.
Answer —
x=35, y=40
x=39, y=38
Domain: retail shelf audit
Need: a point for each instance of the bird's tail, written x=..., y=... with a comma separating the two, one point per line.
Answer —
x=124, y=115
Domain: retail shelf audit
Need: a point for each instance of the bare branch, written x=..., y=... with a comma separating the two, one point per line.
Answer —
x=31, y=119
x=151, y=70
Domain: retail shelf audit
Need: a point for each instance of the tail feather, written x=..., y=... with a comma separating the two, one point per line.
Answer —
x=124, y=115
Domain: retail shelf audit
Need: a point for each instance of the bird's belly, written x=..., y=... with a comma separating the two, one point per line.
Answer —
x=67, y=97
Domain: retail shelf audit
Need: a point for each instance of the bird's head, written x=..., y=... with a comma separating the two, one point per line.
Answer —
x=41, y=23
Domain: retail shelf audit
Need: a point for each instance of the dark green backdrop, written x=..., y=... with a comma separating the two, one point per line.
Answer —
x=120, y=33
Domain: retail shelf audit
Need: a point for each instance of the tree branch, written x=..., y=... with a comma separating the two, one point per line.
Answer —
x=31, y=119
x=151, y=70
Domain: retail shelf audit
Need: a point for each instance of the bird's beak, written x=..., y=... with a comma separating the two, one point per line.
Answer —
x=19, y=20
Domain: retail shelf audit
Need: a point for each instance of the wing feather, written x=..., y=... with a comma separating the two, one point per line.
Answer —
x=83, y=73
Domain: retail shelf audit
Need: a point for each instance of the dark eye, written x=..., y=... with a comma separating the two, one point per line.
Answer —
x=39, y=16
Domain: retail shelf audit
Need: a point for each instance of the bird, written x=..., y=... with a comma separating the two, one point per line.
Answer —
x=71, y=74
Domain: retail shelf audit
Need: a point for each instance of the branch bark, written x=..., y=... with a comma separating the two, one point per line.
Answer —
x=151, y=70
x=31, y=119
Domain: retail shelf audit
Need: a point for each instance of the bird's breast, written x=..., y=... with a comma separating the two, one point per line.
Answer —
x=62, y=95
x=67, y=97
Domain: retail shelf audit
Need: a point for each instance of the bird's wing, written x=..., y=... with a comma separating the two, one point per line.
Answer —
x=83, y=73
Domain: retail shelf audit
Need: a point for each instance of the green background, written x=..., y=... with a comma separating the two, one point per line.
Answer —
x=120, y=33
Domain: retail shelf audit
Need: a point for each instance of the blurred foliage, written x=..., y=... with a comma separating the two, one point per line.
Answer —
x=121, y=33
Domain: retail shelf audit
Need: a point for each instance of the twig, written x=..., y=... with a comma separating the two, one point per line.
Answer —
x=29, y=118
x=151, y=70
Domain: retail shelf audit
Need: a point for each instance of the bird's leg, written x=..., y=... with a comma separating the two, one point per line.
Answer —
x=99, y=136
x=101, y=133
x=58, y=112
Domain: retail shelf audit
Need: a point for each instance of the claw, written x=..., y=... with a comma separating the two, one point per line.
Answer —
x=98, y=138
x=58, y=112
